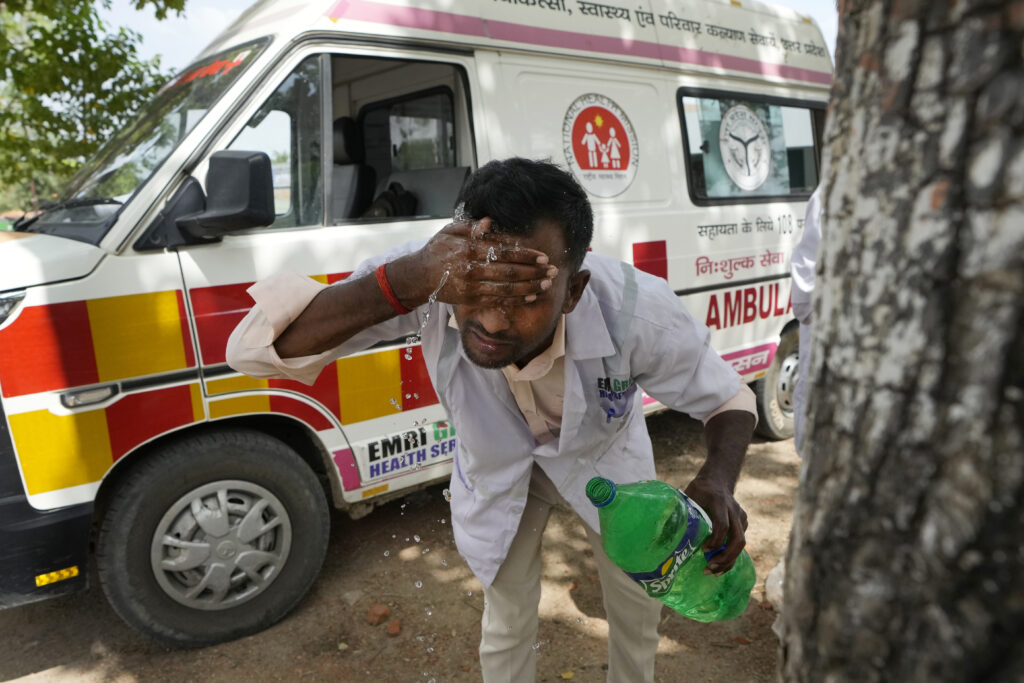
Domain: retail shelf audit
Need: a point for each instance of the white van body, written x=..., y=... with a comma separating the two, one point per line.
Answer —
x=694, y=131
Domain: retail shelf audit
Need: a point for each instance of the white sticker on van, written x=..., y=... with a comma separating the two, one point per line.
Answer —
x=600, y=145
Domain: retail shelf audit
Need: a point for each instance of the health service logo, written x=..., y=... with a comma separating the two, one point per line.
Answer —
x=600, y=145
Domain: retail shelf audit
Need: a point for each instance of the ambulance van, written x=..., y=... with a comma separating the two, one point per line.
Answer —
x=309, y=136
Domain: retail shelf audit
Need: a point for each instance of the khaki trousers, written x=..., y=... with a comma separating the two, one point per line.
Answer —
x=509, y=624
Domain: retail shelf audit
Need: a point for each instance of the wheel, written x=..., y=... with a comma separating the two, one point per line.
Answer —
x=775, y=390
x=214, y=537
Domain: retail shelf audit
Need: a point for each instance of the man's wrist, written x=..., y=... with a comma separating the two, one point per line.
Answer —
x=405, y=274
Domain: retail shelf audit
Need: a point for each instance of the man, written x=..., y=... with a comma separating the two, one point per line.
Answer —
x=802, y=267
x=536, y=349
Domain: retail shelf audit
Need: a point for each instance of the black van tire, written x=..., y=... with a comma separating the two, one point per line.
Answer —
x=266, y=528
x=776, y=389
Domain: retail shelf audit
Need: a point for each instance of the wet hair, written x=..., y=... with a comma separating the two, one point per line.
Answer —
x=516, y=193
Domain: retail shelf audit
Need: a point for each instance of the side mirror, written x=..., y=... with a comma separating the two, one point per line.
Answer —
x=239, y=195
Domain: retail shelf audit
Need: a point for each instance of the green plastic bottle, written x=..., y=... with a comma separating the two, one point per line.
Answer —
x=654, y=533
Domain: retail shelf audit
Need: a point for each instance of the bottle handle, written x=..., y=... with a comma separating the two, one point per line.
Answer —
x=708, y=555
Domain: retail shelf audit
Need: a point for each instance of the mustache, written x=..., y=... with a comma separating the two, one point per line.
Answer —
x=501, y=337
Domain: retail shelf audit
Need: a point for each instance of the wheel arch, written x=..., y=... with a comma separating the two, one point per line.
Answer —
x=294, y=433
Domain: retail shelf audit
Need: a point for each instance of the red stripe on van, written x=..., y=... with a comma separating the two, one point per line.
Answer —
x=651, y=257
x=409, y=17
x=137, y=418
x=337, y=277
x=324, y=391
x=417, y=390
x=300, y=410
x=47, y=348
x=218, y=310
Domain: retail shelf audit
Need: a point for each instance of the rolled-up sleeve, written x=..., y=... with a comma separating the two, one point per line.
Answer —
x=280, y=299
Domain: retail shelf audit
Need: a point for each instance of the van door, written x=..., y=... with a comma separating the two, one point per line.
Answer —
x=345, y=133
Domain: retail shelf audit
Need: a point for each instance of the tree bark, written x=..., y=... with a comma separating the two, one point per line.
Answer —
x=906, y=561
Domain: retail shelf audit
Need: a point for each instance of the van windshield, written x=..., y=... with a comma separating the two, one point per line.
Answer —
x=126, y=161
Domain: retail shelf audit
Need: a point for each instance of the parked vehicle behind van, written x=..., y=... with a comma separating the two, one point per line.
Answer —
x=695, y=132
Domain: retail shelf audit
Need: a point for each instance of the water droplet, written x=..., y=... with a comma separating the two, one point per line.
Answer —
x=444, y=563
x=447, y=495
x=408, y=395
x=387, y=553
x=579, y=620
x=406, y=539
x=395, y=535
x=425, y=551
x=469, y=594
x=492, y=255
x=408, y=356
x=419, y=584
x=393, y=401
x=444, y=521
x=420, y=639
x=416, y=537
x=417, y=396
x=430, y=649
x=429, y=612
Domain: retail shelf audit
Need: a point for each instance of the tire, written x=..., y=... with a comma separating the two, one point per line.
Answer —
x=212, y=538
x=776, y=389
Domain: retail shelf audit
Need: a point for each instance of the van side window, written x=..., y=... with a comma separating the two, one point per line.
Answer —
x=288, y=128
x=412, y=133
x=403, y=138
x=744, y=148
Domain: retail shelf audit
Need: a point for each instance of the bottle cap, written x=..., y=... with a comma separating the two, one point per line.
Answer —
x=600, y=491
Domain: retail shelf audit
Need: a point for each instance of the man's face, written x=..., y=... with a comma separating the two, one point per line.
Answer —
x=496, y=337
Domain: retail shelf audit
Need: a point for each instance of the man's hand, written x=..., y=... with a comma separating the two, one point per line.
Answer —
x=728, y=522
x=477, y=267
x=727, y=435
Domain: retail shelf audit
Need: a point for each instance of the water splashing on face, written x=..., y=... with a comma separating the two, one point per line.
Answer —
x=460, y=213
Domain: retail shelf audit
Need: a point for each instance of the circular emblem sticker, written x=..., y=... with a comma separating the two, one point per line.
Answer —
x=746, y=152
x=600, y=145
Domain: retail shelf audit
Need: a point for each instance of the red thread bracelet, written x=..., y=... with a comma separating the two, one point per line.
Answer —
x=389, y=294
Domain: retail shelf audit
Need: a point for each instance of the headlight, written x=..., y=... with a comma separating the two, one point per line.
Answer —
x=8, y=302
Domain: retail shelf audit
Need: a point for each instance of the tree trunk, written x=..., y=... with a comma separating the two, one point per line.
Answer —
x=906, y=561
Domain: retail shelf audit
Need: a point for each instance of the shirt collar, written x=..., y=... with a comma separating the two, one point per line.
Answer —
x=541, y=364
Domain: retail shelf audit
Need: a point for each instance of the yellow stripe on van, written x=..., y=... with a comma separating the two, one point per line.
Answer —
x=230, y=384
x=370, y=386
x=240, y=405
x=322, y=279
x=198, y=409
x=59, y=451
x=137, y=334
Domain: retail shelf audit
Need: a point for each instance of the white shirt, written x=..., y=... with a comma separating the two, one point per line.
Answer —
x=802, y=270
x=804, y=259
x=629, y=329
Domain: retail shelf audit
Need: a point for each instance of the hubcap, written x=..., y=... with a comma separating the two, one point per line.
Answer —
x=221, y=544
x=789, y=375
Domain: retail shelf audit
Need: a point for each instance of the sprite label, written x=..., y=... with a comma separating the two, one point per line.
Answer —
x=658, y=582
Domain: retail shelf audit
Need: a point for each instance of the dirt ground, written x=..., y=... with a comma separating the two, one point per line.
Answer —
x=403, y=556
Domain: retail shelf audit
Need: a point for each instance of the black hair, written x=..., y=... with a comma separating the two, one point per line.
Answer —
x=516, y=193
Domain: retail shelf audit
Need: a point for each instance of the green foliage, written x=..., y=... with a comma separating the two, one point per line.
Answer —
x=67, y=83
